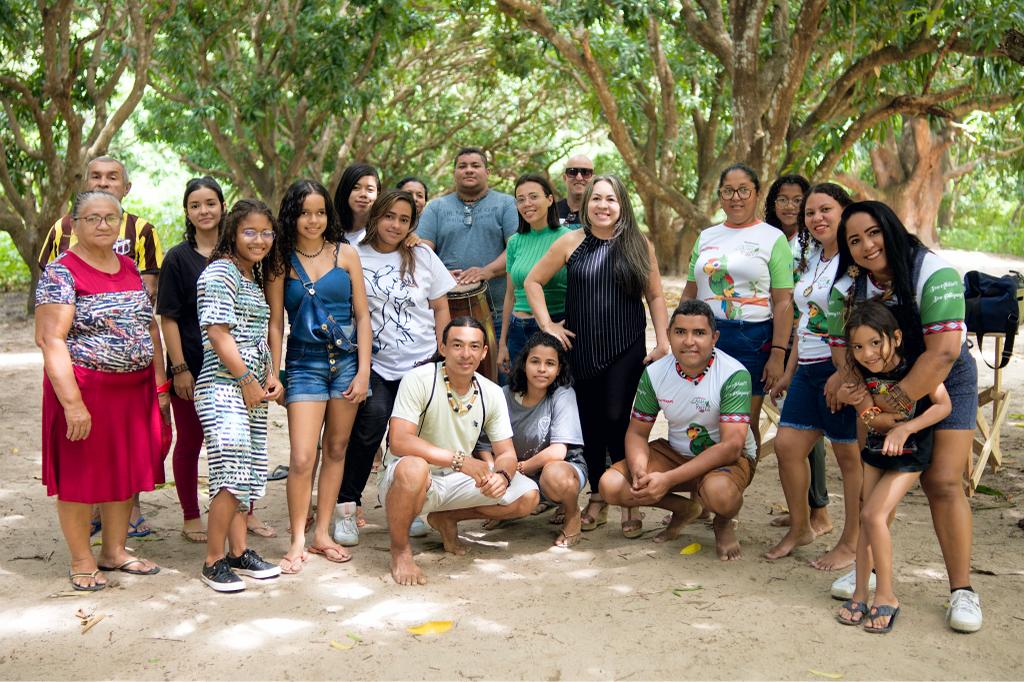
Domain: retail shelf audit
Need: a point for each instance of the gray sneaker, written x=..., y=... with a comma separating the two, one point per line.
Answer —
x=346, y=532
x=253, y=565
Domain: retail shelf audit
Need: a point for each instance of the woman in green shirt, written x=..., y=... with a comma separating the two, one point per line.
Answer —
x=538, y=229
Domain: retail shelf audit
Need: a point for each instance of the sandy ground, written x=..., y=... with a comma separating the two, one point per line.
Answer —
x=521, y=609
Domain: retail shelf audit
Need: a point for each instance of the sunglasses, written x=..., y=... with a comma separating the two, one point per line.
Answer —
x=579, y=172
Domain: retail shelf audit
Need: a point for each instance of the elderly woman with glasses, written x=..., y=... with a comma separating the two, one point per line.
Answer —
x=104, y=371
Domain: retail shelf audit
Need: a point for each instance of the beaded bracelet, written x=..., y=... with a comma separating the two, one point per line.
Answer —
x=179, y=369
x=899, y=397
x=457, y=459
x=868, y=415
x=245, y=379
x=520, y=468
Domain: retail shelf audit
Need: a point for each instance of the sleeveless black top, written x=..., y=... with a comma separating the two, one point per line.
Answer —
x=606, y=320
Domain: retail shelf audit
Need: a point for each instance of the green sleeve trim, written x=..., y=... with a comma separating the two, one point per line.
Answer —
x=780, y=265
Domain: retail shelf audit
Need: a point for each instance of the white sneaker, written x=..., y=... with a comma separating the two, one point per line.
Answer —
x=843, y=586
x=964, y=614
x=346, y=532
x=419, y=528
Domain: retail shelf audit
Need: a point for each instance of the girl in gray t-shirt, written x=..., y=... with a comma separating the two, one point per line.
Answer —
x=546, y=429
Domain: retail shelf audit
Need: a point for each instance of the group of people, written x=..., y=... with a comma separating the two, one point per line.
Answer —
x=499, y=343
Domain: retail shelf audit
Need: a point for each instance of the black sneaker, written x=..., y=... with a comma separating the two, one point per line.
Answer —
x=221, y=578
x=253, y=565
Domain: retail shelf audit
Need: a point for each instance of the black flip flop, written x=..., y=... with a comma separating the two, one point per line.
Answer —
x=128, y=562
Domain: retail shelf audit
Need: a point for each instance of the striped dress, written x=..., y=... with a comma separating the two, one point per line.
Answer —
x=236, y=437
x=606, y=320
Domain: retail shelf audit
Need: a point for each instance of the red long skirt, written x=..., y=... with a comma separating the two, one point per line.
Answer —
x=122, y=454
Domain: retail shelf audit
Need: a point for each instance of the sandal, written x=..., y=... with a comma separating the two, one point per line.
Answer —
x=333, y=554
x=567, y=540
x=558, y=518
x=853, y=607
x=123, y=567
x=541, y=507
x=195, y=536
x=589, y=522
x=262, y=530
x=290, y=566
x=86, y=588
x=633, y=528
x=883, y=610
x=135, y=532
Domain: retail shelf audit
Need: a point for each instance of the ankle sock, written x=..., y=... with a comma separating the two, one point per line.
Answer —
x=954, y=589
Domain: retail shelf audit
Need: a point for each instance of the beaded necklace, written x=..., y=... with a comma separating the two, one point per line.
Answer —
x=458, y=407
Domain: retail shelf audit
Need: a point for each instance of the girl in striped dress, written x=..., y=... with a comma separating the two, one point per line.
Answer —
x=234, y=387
x=611, y=269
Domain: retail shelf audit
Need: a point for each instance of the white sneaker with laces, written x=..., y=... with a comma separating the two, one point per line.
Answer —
x=964, y=614
x=844, y=585
x=418, y=528
x=346, y=532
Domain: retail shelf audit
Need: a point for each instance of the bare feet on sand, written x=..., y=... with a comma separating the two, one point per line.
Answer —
x=678, y=521
x=449, y=531
x=404, y=570
x=837, y=558
x=789, y=542
x=726, y=544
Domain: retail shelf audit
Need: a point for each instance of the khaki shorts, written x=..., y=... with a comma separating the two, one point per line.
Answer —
x=663, y=458
x=453, y=490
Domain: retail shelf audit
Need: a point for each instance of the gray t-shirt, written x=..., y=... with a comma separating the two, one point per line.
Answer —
x=494, y=220
x=555, y=419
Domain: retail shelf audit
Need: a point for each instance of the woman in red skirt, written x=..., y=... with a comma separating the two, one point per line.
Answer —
x=103, y=370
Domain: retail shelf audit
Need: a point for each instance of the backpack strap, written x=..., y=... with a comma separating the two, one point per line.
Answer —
x=433, y=389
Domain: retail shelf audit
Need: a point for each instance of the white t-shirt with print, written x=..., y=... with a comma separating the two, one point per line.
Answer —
x=812, y=330
x=400, y=314
x=735, y=269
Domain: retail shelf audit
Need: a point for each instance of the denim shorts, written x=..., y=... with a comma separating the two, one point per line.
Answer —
x=962, y=385
x=805, y=407
x=750, y=344
x=519, y=332
x=317, y=372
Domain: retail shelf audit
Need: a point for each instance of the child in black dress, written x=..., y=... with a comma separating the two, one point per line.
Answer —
x=898, y=449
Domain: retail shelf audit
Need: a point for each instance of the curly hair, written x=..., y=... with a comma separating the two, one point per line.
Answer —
x=226, y=245
x=205, y=182
x=517, y=378
x=829, y=189
x=288, y=218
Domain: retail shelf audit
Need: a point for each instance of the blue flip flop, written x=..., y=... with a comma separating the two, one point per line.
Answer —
x=853, y=607
x=883, y=610
x=135, y=532
x=95, y=526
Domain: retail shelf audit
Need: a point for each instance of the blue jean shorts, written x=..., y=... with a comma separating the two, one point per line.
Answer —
x=805, y=407
x=962, y=385
x=317, y=372
x=750, y=344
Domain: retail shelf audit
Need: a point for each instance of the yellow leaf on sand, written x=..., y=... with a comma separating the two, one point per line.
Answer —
x=342, y=646
x=690, y=549
x=434, y=627
x=828, y=676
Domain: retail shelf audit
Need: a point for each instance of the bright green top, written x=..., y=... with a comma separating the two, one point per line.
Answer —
x=522, y=253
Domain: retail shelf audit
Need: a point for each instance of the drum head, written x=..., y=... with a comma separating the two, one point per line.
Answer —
x=467, y=290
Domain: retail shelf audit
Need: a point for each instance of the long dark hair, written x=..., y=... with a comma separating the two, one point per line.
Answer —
x=804, y=239
x=553, y=222
x=349, y=178
x=875, y=315
x=380, y=207
x=517, y=379
x=205, y=182
x=770, y=216
x=271, y=263
x=630, y=256
x=291, y=209
x=901, y=248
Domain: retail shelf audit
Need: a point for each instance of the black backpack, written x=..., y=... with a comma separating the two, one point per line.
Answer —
x=993, y=306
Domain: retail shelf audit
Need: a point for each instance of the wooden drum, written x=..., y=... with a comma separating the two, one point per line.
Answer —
x=472, y=300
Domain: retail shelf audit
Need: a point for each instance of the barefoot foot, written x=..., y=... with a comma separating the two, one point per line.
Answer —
x=449, y=531
x=780, y=521
x=404, y=570
x=790, y=541
x=821, y=524
x=678, y=521
x=837, y=558
x=726, y=544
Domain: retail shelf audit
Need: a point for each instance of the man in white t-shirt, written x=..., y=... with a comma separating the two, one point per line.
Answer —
x=710, y=451
x=440, y=412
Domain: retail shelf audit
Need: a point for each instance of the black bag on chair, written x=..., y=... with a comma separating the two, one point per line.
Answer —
x=993, y=306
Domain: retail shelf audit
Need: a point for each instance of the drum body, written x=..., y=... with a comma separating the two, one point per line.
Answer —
x=473, y=300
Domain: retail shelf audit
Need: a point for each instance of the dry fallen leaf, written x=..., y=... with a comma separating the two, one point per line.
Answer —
x=828, y=676
x=690, y=549
x=434, y=627
x=686, y=588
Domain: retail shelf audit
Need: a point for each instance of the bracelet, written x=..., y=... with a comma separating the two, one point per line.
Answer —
x=520, y=468
x=164, y=387
x=246, y=378
x=179, y=369
x=868, y=415
x=457, y=459
x=784, y=349
x=508, y=479
x=899, y=397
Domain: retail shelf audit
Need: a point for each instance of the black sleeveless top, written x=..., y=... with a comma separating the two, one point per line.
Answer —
x=606, y=320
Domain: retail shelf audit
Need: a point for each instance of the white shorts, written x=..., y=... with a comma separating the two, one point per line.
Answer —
x=455, y=490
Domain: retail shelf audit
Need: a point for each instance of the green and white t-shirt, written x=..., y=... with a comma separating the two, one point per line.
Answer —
x=439, y=425
x=811, y=298
x=695, y=407
x=940, y=299
x=736, y=268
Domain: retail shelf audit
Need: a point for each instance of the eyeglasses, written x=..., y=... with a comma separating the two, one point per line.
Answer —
x=523, y=198
x=785, y=201
x=728, y=192
x=579, y=172
x=467, y=216
x=267, y=235
x=93, y=220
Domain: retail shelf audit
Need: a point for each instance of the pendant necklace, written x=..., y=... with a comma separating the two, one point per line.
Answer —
x=821, y=261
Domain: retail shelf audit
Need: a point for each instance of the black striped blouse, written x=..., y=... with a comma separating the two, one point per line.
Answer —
x=606, y=320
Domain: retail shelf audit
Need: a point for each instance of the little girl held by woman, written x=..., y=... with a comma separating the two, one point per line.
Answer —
x=898, y=449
